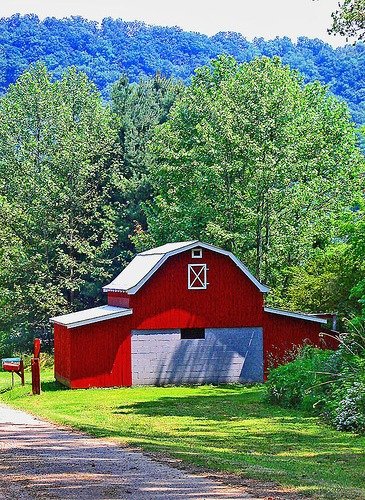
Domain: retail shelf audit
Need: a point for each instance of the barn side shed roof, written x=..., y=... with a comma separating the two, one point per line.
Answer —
x=93, y=315
x=145, y=264
x=306, y=317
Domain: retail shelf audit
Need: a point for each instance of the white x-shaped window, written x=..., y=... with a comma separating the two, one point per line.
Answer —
x=197, y=276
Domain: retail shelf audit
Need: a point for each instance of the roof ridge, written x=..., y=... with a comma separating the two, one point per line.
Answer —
x=168, y=247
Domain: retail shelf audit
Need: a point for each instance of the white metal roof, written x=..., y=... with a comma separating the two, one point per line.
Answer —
x=306, y=317
x=94, y=315
x=170, y=247
x=145, y=264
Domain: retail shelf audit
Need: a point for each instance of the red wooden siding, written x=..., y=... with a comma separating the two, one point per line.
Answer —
x=281, y=333
x=62, y=349
x=118, y=299
x=100, y=355
x=165, y=301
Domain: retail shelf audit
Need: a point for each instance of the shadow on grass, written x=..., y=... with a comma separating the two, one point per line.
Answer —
x=240, y=432
x=224, y=403
x=3, y=390
x=52, y=386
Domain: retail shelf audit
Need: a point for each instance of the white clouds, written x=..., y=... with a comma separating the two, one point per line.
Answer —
x=252, y=18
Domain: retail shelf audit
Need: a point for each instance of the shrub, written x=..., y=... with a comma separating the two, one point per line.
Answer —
x=329, y=383
x=348, y=414
x=302, y=382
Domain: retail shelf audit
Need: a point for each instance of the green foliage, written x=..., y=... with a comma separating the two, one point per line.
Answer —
x=57, y=168
x=324, y=282
x=139, y=109
x=325, y=382
x=253, y=160
x=349, y=19
x=333, y=277
x=73, y=174
x=302, y=383
x=354, y=229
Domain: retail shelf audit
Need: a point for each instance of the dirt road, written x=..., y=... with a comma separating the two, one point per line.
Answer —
x=38, y=460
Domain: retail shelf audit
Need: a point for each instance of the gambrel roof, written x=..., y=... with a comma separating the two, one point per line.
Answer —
x=145, y=264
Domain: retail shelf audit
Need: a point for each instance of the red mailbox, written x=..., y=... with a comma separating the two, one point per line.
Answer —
x=14, y=365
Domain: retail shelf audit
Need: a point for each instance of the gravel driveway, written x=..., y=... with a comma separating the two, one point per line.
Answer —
x=38, y=460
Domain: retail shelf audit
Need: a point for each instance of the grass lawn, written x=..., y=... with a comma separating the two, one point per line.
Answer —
x=224, y=428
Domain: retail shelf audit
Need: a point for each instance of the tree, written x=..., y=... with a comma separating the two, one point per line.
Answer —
x=354, y=229
x=325, y=282
x=140, y=108
x=58, y=176
x=253, y=160
x=349, y=19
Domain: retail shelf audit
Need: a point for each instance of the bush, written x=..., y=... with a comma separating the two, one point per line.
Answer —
x=348, y=414
x=328, y=383
x=302, y=382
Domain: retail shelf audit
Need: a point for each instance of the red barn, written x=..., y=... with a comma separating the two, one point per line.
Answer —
x=184, y=312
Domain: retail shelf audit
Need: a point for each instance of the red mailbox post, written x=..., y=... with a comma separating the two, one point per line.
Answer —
x=36, y=373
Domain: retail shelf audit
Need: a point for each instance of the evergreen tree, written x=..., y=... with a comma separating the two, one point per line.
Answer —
x=140, y=108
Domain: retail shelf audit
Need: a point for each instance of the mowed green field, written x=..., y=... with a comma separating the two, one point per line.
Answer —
x=224, y=428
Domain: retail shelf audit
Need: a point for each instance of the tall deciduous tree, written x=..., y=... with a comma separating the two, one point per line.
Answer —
x=253, y=160
x=57, y=173
x=349, y=19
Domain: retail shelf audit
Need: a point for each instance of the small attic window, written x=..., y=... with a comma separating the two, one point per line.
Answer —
x=197, y=253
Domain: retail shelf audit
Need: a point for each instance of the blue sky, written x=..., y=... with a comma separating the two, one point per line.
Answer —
x=252, y=18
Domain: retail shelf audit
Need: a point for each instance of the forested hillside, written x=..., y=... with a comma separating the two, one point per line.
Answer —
x=105, y=51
